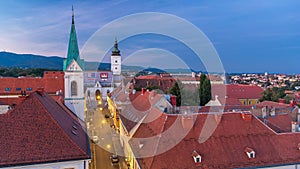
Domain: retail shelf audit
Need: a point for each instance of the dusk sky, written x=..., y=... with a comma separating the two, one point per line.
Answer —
x=249, y=36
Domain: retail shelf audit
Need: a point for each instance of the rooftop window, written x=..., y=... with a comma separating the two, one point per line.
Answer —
x=196, y=156
x=250, y=152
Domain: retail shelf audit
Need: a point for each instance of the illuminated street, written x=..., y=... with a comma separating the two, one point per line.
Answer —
x=108, y=140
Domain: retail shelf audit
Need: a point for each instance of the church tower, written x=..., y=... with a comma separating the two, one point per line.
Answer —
x=116, y=60
x=73, y=68
x=115, y=64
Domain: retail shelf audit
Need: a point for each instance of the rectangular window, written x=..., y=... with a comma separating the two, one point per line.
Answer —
x=18, y=89
x=93, y=75
x=7, y=89
x=28, y=88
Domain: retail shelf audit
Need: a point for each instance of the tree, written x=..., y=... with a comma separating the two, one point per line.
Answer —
x=272, y=94
x=176, y=90
x=204, y=90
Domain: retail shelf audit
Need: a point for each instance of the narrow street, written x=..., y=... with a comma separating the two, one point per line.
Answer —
x=107, y=141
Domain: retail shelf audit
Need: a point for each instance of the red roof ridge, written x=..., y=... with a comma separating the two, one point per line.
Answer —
x=55, y=121
x=161, y=131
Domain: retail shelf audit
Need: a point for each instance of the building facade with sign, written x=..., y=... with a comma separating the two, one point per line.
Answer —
x=99, y=83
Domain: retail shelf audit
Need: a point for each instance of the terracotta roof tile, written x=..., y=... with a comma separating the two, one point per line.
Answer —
x=271, y=104
x=52, y=82
x=225, y=148
x=40, y=130
x=279, y=123
x=237, y=91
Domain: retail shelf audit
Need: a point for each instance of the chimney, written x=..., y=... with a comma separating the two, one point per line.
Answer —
x=272, y=111
x=246, y=116
x=173, y=100
x=264, y=112
x=193, y=74
x=187, y=122
x=294, y=127
x=292, y=103
x=281, y=100
x=40, y=91
x=143, y=91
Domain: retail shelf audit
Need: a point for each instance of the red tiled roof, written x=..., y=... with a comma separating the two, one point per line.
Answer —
x=271, y=104
x=225, y=148
x=279, y=123
x=214, y=78
x=229, y=101
x=237, y=91
x=229, y=108
x=52, y=82
x=41, y=130
x=164, y=83
x=137, y=107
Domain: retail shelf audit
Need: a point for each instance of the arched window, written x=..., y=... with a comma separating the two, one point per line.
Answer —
x=73, y=88
x=98, y=95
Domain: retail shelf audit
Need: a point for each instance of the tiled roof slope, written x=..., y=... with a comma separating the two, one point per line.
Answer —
x=271, y=104
x=52, y=82
x=237, y=91
x=279, y=123
x=225, y=148
x=41, y=130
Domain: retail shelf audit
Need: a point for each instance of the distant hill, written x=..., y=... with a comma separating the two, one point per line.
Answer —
x=13, y=60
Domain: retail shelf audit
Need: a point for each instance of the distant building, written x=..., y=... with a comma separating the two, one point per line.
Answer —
x=165, y=81
x=246, y=94
x=11, y=89
x=103, y=82
x=43, y=133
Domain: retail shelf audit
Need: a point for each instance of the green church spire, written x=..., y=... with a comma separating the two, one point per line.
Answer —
x=73, y=50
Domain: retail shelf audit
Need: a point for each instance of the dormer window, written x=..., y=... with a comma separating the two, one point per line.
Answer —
x=196, y=156
x=250, y=152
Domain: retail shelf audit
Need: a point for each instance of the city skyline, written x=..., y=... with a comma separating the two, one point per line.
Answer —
x=250, y=36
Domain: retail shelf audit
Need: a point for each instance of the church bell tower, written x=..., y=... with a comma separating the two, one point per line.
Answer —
x=73, y=69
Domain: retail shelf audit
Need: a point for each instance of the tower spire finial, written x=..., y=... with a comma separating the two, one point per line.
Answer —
x=72, y=15
x=116, y=51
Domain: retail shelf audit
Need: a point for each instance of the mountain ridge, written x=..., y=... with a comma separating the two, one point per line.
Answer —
x=14, y=60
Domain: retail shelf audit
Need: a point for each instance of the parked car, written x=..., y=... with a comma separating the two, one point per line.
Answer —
x=95, y=139
x=114, y=158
